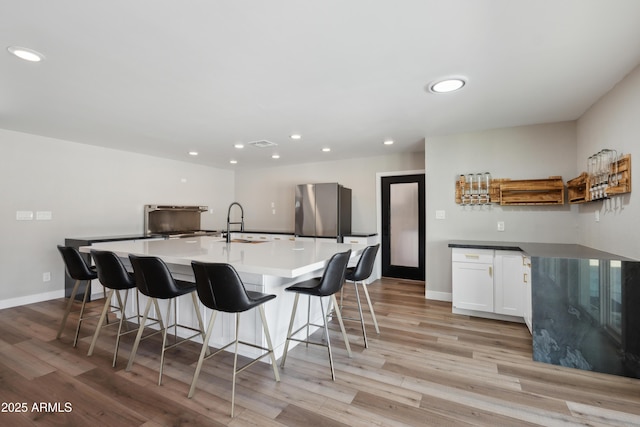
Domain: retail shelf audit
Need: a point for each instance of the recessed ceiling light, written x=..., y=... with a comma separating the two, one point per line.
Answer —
x=447, y=85
x=233, y=162
x=238, y=145
x=296, y=136
x=275, y=156
x=388, y=142
x=26, y=54
x=326, y=149
x=193, y=153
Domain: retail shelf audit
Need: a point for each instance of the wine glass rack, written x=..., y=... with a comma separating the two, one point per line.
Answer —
x=594, y=186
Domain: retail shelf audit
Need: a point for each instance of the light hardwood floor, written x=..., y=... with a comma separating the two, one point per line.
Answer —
x=427, y=367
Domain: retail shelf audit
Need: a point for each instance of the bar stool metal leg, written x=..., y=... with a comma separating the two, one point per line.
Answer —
x=267, y=335
x=123, y=319
x=235, y=365
x=74, y=291
x=205, y=347
x=286, y=343
x=136, y=343
x=364, y=330
x=326, y=334
x=344, y=332
x=105, y=310
x=373, y=315
x=194, y=298
x=81, y=318
x=164, y=339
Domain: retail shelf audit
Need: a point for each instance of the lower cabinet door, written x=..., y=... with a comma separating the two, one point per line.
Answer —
x=527, y=311
x=509, y=283
x=472, y=286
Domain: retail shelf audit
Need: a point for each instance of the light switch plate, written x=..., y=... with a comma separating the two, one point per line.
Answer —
x=500, y=225
x=441, y=214
x=43, y=215
x=24, y=215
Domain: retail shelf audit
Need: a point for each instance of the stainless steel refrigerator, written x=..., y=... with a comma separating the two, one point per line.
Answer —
x=323, y=210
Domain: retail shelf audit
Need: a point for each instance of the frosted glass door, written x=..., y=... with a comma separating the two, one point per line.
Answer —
x=404, y=224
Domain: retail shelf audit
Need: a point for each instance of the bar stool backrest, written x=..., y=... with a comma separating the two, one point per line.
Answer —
x=111, y=272
x=333, y=276
x=153, y=277
x=364, y=268
x=220, y=288
x=75, y=265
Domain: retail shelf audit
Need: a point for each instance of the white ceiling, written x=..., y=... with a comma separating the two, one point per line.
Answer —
x=164, y=77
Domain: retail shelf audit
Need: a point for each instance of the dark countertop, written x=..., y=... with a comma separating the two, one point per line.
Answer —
x=99, y=239
x=547, y=250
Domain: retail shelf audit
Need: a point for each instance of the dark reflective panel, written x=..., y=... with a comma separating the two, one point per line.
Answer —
x=586, y=314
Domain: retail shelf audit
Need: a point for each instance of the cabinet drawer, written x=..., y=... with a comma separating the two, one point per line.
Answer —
x=355, y=240
x=482, y=256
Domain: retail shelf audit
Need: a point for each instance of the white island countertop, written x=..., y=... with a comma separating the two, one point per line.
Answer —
x=282, y=258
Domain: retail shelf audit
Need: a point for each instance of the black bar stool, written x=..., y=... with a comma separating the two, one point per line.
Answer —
x=80, y=271
x=221, y=289
x=154, y=280
x=359, y=274
x=114, y=276
x=327, y=285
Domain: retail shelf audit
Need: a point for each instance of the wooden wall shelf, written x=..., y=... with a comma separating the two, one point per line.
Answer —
x=578, y=188
x=624, y=176
x=528, y=192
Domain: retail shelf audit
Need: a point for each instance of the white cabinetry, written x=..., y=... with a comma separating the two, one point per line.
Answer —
x=527, y=309
x=282, y=237
x=357, y=240
x=491, y=283
x=509, y=283
x=260, y=237
x=472, y=275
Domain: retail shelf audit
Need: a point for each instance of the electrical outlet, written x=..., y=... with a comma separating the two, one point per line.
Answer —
x=441, y=214
x=46, y=276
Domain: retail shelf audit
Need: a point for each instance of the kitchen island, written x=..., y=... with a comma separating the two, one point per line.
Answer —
x=584, y=305
x=264, y=266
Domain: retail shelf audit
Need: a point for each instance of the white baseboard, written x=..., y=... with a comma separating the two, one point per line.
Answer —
x=438, y=296
x=487, y=315
x=30, y=299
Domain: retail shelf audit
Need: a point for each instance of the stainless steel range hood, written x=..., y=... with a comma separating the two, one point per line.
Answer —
x=168, y=219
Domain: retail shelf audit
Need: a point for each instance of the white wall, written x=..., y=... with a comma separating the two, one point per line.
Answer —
x=91, y=191
x=256, y=189
x=613, y=122
x=526, y=152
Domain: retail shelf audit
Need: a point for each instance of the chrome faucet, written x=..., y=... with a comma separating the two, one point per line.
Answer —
x=229, y=223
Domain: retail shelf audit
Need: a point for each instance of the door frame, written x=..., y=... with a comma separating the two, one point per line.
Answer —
x=379, y=176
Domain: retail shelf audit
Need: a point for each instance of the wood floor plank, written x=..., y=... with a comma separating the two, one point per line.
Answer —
x=388, y=409
x=23, y=363
x=293, y=415
x=61, y=359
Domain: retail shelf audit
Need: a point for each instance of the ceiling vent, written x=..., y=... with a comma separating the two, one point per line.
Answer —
x=263, y=143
